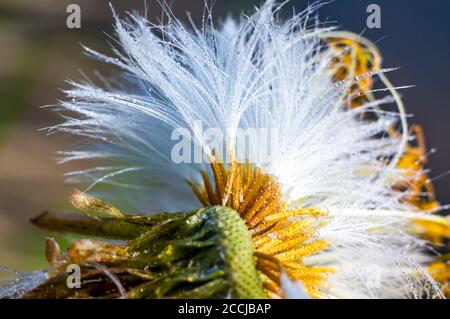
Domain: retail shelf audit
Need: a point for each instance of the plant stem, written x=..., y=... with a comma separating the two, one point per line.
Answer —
x=107, y=227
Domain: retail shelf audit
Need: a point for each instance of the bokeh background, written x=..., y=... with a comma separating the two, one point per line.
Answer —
x=38, y=53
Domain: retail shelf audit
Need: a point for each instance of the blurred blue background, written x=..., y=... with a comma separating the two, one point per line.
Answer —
x=38, y=53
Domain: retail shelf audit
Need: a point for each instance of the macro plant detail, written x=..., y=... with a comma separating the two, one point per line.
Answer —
x=345, y=195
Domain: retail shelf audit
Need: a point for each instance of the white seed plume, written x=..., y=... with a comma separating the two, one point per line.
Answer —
x=257, y=72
